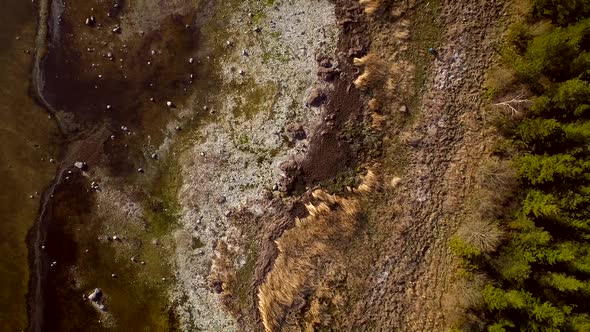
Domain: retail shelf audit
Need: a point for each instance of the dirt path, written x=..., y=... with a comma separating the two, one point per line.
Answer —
x=414, y=266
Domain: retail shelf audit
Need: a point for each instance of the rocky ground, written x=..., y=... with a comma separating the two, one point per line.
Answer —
x=234, y=164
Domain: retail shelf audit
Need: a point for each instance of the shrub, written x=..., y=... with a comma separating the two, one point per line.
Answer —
x=560, y=11
x=463, y=249
x=484, y=236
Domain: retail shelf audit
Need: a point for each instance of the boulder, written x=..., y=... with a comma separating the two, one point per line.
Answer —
x=96, y=295
x=80, y=165
x=316, y=98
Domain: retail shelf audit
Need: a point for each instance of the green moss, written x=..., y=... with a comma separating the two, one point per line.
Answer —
x=243, y=283
x=252, y=98
x=196, y=243
x=426, y=32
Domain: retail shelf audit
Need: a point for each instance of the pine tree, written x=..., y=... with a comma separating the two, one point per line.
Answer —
x=540, y=204
x=563, y=282
x=560, y=11
x=542, y=169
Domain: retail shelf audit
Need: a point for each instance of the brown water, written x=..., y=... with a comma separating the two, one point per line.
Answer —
x=29, y=139
x=78, y=84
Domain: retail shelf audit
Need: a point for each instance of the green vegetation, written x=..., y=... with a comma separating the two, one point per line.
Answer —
x=562, y=11
x=540, y=272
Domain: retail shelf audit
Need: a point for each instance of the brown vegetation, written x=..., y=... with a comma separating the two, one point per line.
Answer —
x=306, y=253
x=371, y=6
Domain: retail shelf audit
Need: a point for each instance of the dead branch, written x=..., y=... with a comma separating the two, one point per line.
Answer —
x=514, y=105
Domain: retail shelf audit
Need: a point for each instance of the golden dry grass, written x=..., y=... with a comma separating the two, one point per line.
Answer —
x=306, y=251
x=375, y=71
x=371, y=6
x=374, y=104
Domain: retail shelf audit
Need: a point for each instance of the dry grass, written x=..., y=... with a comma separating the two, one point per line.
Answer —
x=497, y=181
x=306, y=253
x=464, y=294
x=467, y=289
x=371, y=6
x=370, y=183
x=303, y=251
x=483, y=235
x=496, y=174
x=374, y=104
x=521, y=8
x=375, y=71
x=499, y=80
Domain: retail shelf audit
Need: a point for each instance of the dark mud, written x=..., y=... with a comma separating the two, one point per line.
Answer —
x=107, y=95
x=331, y=153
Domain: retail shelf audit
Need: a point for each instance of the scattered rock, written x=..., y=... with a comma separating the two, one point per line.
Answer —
x=286, y=184
x=117, y=29
x=96, y=295
x=221, y=200
x=326, y=63
x=217, y=286
x=170, y=104
x=90, y=21
x=113, y=275
x=316, y=97
x=328, y=74
x=140, y=170
x=80, y=165
x=289, y=166
x=102, y=307
x=155, y=156
x=156, y=242
x=296, y=131
x=53, y=264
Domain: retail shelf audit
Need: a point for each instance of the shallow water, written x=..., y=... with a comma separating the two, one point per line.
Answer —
x=78, y=81
x=29, y=139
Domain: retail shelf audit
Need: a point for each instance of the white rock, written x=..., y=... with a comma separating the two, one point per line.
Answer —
x=96, y=295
